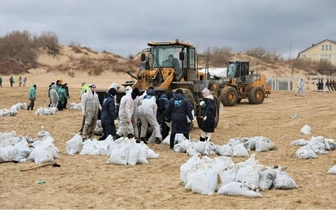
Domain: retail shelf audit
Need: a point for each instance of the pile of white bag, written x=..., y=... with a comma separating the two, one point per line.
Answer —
x=221, y=175
x=74, y=106
x=122, y=151
x=46, y=111
x=311, y=148
x=237, y=147
x=13, y=110
x=17, y=148
x=316, y=145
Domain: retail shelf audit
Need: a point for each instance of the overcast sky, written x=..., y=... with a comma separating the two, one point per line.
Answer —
x=125, y=26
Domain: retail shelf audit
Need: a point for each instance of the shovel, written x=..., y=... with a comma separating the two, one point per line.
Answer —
x=44, y=165
x=10, y=161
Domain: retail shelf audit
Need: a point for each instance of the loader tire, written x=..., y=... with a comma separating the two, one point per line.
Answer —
x=229, y=96
x=256, y=95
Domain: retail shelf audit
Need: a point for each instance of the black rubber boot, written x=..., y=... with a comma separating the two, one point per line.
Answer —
x=157, y=140
x=202, y=139
x=130, y=136
x=172, y=141
x=143, y=139
x=116, y=137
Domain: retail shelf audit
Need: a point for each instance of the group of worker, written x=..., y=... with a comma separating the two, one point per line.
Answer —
x=12, y=81
x=136, y=112
x=59, y=94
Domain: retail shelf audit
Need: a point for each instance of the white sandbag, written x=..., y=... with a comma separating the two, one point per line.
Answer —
x=179, y=137
x=332, y=170
x=252, y=142
x=88, y=147
x=239, y=189
x=239, y=151
x=151, y=154
x=261, y=145
x=74, y=106
x=299, y=142
x=187, y=166
x=227, y=175
x=8, y=153
x=331, y=143
x=166, y=140
x=42, y=155
x=204, y=182
x=234, y=141
x=283, y=181
x=191, y=149
x=119, y=154
x=200, y=147
x=210, y=148
x=305, y=130
x=267, y=179
x=224, y=150
x=7, y=139
x=250, y=174
x=74, y=145
x=23, y=150
x=182, y=145
x=134, y=150
x=271, y=144
x=142, y=157
x=305, y=152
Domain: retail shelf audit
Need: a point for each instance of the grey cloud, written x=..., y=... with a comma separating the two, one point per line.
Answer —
x=124, y=27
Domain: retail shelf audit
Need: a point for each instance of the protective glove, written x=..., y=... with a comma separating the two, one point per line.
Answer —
x=202, y=104
x=204, y=118
x=115, y=122
x=188, y=120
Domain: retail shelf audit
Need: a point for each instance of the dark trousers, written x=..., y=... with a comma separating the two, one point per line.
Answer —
x=65, y=103
x=60, y=106
x=108, y=129
x=31, y=105
x=165, y=130
x=172, y=139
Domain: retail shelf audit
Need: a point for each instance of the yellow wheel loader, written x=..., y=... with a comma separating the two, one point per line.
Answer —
x=241, y=83
x=167, y=66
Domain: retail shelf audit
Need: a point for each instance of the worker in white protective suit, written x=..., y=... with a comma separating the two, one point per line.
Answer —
x=90, y=109
x=125, y=127
x=147, y=114
x=53, y=96
x=300, y=87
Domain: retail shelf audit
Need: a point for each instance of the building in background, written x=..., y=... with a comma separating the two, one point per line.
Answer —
x=322, y=50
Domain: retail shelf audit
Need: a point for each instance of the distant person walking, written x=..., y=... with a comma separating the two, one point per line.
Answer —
x=11, y=81
x=20, y=80
x=24, y=81
x=32, y=97
x=0, y=81
x=300, y=87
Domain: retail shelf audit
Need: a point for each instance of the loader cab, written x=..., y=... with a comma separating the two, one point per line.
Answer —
x=239, y=70
x=177, y=55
